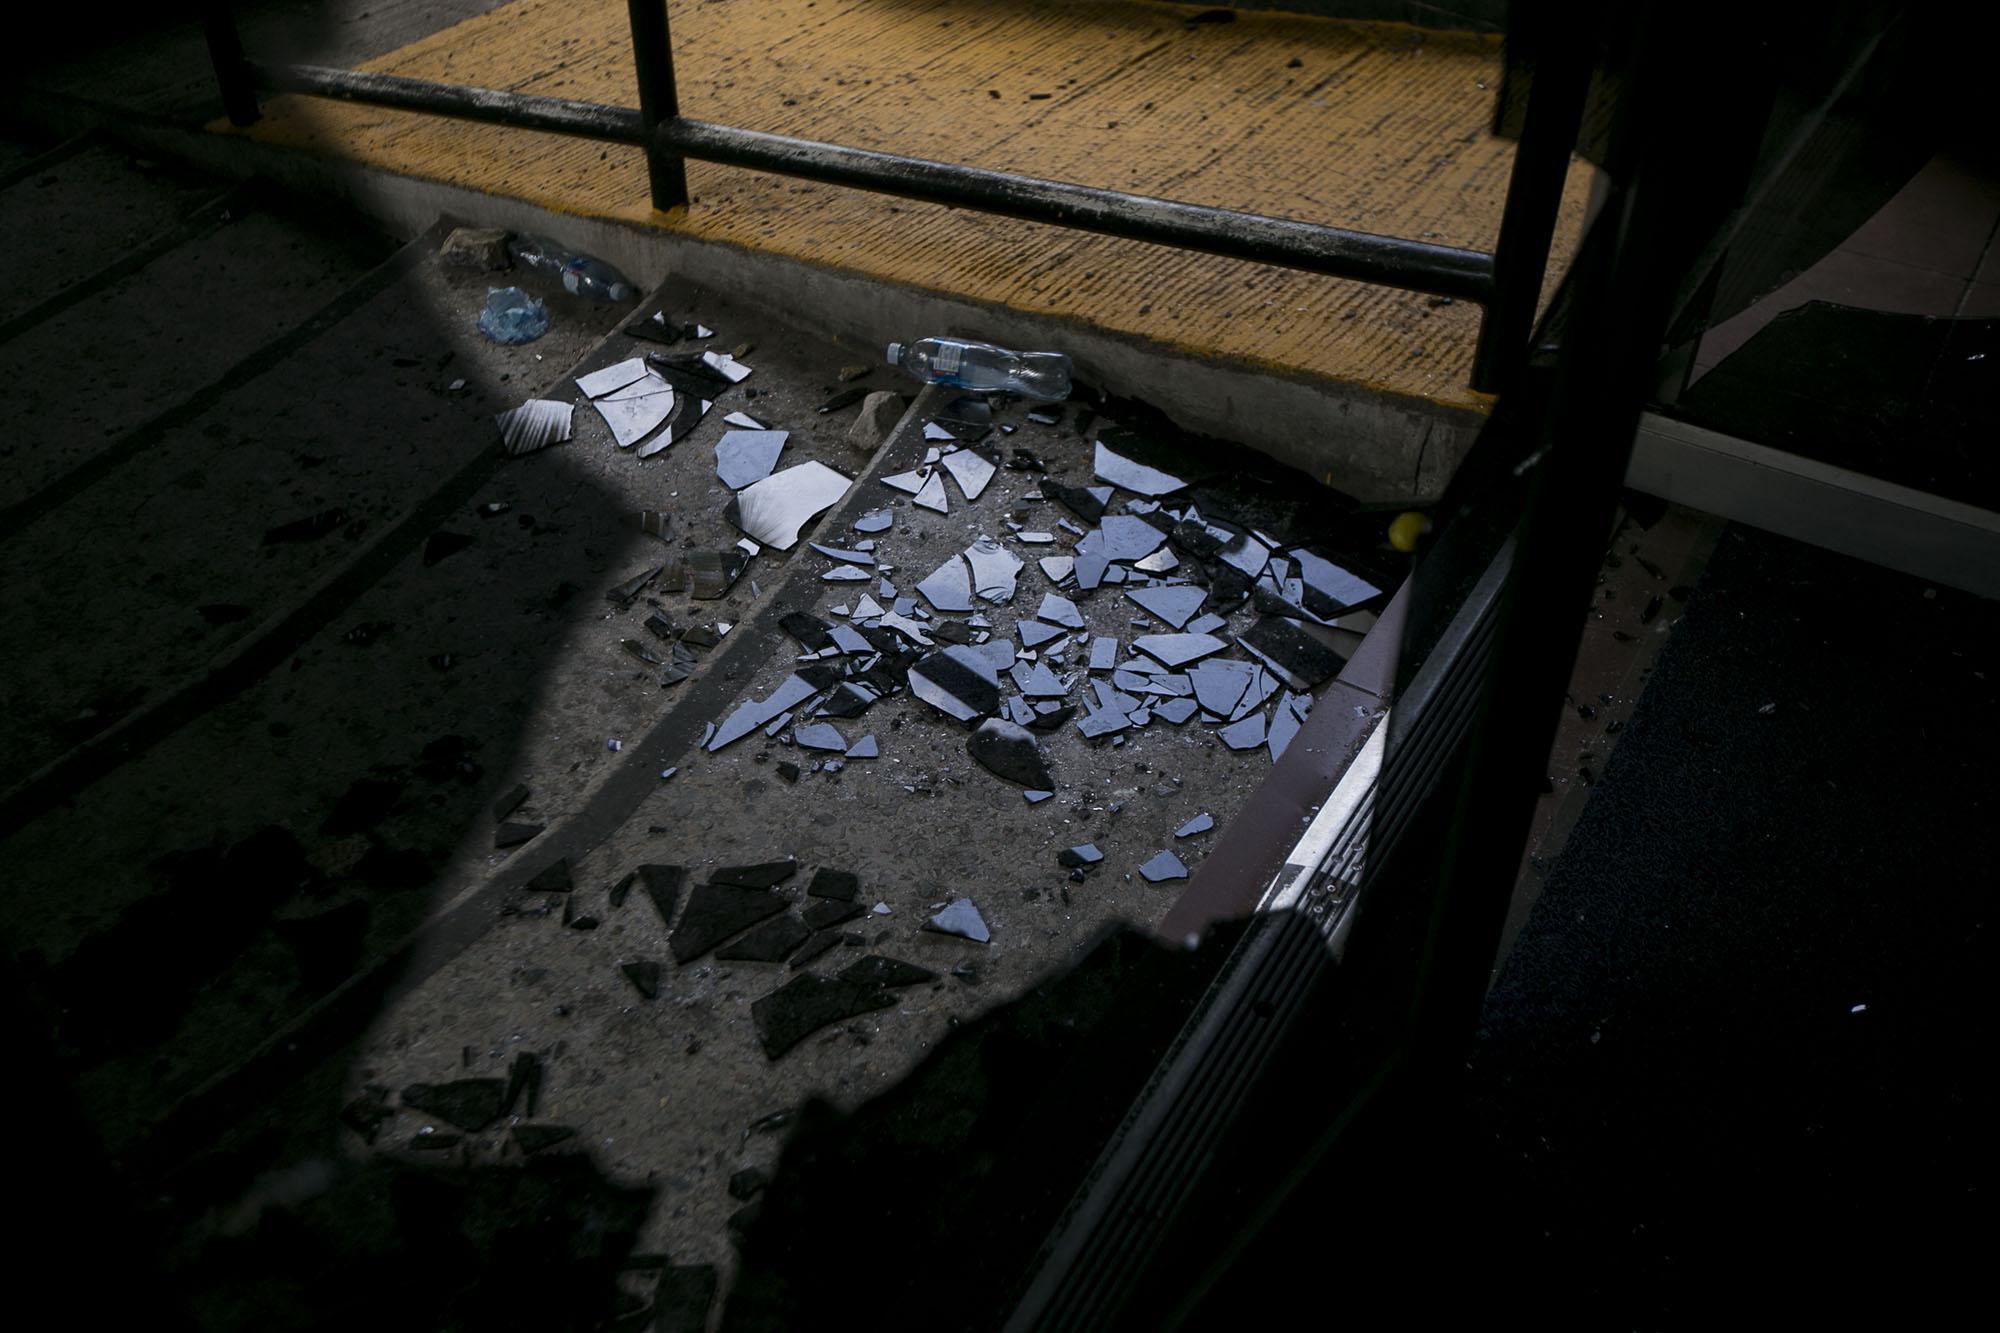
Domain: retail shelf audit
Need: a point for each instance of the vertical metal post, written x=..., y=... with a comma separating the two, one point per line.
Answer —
x=653, y=55
x=232, y=71
x=1527, y=227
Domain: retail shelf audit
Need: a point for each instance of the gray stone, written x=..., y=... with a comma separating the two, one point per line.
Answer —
x=481, y=249
x=880, y=411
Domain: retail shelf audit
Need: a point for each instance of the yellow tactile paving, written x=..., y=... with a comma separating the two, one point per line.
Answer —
x=1376, y=126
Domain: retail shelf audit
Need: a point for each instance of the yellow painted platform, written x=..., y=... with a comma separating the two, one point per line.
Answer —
x=1373, y=126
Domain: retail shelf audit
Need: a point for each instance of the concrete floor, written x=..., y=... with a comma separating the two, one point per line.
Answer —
x=248, y=822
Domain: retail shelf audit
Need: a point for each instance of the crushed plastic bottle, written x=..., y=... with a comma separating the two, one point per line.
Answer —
x=511, y=316
x=984, y=368
x=581, y=275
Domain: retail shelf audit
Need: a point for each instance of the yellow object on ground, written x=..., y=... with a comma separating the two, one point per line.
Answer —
x=1406, y=530
x=1377, y=127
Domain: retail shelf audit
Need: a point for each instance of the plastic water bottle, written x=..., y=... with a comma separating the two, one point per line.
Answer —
x=984, y=368
x=592, y=279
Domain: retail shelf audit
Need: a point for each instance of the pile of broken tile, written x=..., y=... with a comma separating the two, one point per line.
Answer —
x=1184, y=569
x=650, y=403
x=955, y=641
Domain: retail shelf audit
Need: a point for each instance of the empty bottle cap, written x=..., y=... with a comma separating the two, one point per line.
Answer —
x=895, y=354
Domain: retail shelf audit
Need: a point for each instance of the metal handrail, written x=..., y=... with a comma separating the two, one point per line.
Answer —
x=1506, y=284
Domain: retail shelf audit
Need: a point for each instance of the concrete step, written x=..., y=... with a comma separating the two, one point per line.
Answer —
x=60, y=227
x=225, y=441
x=115, y=364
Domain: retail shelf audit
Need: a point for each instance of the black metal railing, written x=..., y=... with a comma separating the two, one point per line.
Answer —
x=1507, y=283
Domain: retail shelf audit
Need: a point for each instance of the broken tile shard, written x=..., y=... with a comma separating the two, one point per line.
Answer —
x=839, y=885
x=715, y=912
x=600, y=382
x=962, y=919
x=1034, y=633
x=1009, y=751
x=960, y=681
x=1301, y=660
x=746, y=456
x=845, y=556
x=1058, y=610
x=687, y=413
x=1130, y=474
x=533, y=425
x=771, y=942
x=1330, y=589
x=1206, y=624
x=775, y=510
x=826, y=913
x=1284, y=726
x=1102, y=722
x=1073, y=858
x=1201, y=823
x=644, y=976
x=1219, y=685
x=971, y=469
x=820, y=736
x=1245, y=735
x=755, y=713
x=994, y=570
x=948, y=587
x=758, y=875
x=534, y=1138
x=627, y=592
x=1163, y=867
x=636, y=410
x=1174, y=603
x=809, y=631
x=513, y=835
x=663, y=885
x=865, y=748
x=816, y=944
x=510, y=801
x=1175, y=650
x=1085, y=504
x=876, y=970
x=807, y=1003
x=931, y=495
x=470, y=1104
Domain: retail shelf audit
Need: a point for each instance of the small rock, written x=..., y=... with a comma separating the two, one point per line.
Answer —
x=880, y=411
x=481, y=249
x=849, y=374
